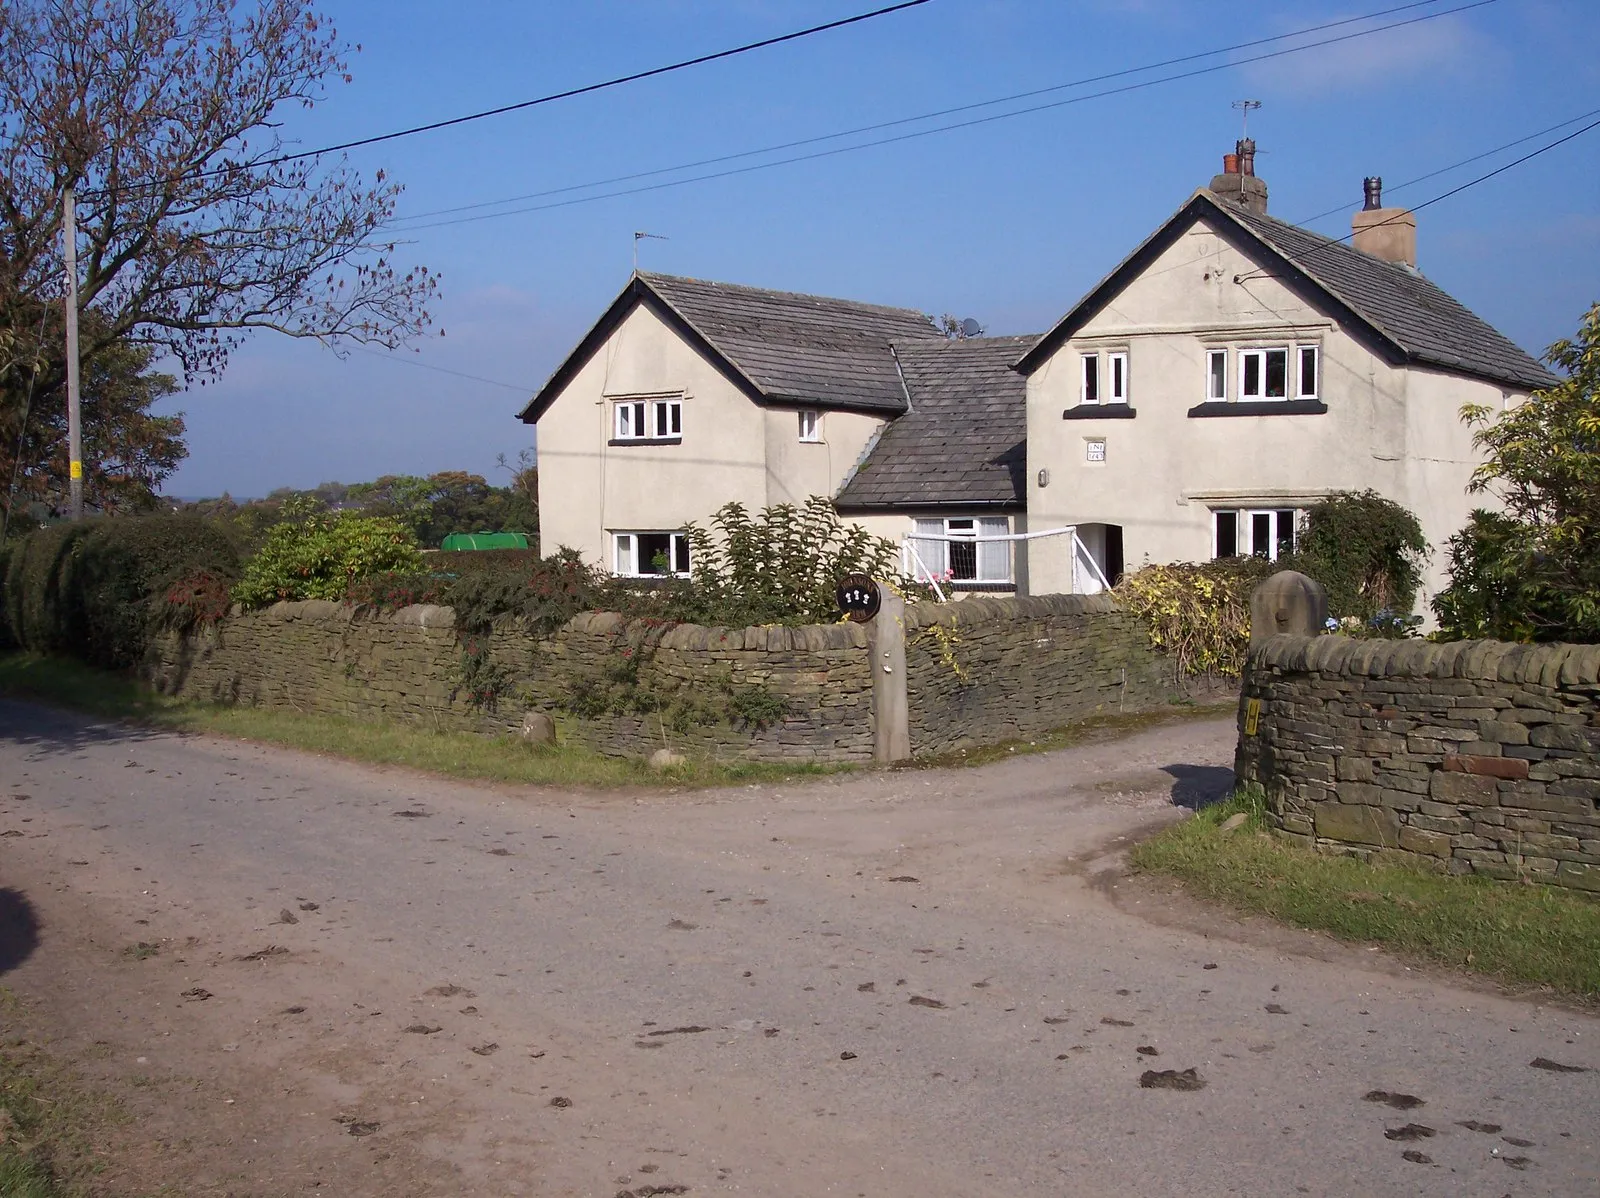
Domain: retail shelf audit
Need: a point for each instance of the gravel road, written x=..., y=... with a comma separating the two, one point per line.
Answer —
x=918, y=982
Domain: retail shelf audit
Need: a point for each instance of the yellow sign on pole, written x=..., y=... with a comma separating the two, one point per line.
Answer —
x=1252, y=716
x=76, y=471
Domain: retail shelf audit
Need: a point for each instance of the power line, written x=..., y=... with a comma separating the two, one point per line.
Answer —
x=548, y=99
x=986, y=120
x=460, y=374
x=1454, y=191
x=1243, y=278
x=926, y=116
x=1455, y=166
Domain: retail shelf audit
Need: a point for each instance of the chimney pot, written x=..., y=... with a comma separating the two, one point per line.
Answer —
x=1238, y=183
x=1372, y=185
x=1245, y=148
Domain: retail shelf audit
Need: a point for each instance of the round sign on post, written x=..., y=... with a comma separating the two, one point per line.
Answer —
x=858, y=597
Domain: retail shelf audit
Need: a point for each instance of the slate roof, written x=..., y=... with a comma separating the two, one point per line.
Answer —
x=963, y=443
x=1415, y=318
x=778, y=346
x=806, y=348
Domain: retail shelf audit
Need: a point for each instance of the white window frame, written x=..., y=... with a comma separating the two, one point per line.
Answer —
x=650, y=419
x=1301, y=391
x=1089, y=369
x=625, y=554
x=1116, y=379
x=810, y=426
x=933, y=555
x=1244, y=530
x=1216, y=381
x=1259, y=354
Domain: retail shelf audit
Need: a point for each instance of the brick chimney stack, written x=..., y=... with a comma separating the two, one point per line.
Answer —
x=1238, y=183
x=1387, y=233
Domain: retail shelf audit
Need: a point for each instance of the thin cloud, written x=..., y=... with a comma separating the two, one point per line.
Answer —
x=1447, y=46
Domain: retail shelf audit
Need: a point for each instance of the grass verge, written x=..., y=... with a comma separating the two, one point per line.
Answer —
x=51, y=1125
x=459, y=754
x=1523, y=933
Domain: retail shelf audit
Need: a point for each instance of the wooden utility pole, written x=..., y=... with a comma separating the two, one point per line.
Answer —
x=69, y=233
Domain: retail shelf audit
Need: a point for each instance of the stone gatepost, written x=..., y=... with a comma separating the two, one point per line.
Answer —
x=886, y=651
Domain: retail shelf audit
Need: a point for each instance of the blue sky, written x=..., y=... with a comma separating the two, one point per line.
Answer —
x=1009, y=222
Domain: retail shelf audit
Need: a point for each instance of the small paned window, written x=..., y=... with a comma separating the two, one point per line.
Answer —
x=648, y=419
x=810, y=426
x=1090, y=391
x=1309, y=364
x=1269, y=533
x=1264, y=373
x=1216, y=375
x=650, y=554
x=1118, y=367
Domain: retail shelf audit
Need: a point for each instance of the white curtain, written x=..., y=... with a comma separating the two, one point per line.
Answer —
x=933, y=555
x=994, y=557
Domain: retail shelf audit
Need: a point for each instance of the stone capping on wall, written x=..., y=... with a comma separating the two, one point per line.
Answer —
x=767, y=637
x=779, y=638
x=1554, y=665
x=988, y=609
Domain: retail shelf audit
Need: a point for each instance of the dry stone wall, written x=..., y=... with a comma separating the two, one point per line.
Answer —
x=978, y=672
x=323, y=658
x=993, y=669
x=1474, y=757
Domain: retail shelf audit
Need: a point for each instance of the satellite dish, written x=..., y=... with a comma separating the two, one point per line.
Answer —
x=971, y=328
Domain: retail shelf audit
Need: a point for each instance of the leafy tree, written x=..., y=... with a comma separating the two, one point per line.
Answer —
x=1532, y=573
x=128, y=451
x=164, y=115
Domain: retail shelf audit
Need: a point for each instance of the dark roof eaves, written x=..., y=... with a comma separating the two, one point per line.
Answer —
x=845, y=506
x=637, y=292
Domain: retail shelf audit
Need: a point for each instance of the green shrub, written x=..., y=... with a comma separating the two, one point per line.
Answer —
x=1199, y=612
x=466, y=561
x=120, y=576
x=781, y=565
x=39, y=611
x=1498, y=593
x=1366, y=551
x=319, y=556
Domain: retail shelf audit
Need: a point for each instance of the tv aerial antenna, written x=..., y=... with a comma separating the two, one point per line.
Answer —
x=1246, y=107
x=641, y=236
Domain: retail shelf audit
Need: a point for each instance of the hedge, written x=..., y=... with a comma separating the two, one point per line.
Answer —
x=38, y=612
x=95, y=589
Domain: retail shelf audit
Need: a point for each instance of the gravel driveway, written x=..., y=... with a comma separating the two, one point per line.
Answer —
x=919, y=982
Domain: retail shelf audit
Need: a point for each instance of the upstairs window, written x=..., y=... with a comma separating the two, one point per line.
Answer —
x=810, y=426
x=650, y=554
x=1107, y=383
x=1264, y=373
x=1310, y=368
x=1216, y=375
x=1117, y=368
x=648, y=419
